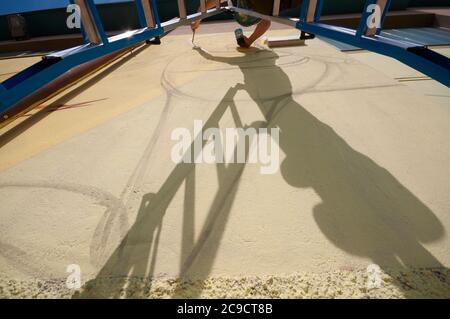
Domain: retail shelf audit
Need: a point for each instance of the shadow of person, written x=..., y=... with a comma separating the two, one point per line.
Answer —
x=133, y=259
x=129, y=271
x=364, y=209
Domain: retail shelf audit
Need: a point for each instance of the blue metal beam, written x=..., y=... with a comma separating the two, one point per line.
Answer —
x=21, y=85
x=38, y=75
x=420, y=58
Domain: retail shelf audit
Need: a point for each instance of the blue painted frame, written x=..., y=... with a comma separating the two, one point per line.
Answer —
x=36, y=76
x=418, y=57
x=141, y=15
x=21, y=85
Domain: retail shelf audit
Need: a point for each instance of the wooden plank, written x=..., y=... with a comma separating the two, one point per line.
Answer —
x=311, y=10
x=148, y=13
x=370, y=32
x=88, y=23
x=182, y=9
x=203, y=6
x=284, y=41
x=276, y=8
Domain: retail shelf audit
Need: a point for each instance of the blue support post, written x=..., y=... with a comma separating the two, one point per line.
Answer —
x=304, y=10
x=155, y=14
x=317, y=10
x=96, y=19
x=83, y=33
x=141, y=15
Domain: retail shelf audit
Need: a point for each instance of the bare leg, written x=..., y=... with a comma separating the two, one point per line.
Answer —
x=260, y=29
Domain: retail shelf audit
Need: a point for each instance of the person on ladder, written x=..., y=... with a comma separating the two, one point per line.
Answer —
x=261, y=6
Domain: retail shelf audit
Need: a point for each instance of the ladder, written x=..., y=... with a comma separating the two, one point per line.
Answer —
x=17, y=91
x=368, y=37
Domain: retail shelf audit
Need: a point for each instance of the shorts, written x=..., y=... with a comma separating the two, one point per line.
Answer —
x=243, y=19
